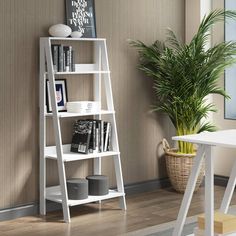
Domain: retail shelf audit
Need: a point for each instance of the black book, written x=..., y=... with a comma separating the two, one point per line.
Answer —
x=96, y=136
x=61, y=59
x=81, y=136
x=66, y=58
x=92, y=143
x=55, y=58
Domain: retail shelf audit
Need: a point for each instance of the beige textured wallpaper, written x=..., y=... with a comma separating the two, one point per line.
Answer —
x=22, y=23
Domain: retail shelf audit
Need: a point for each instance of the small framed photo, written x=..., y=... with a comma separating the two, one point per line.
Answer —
x=80, y=16
x=61, y=95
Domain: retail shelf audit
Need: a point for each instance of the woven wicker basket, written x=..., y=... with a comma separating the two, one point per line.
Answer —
x=179, y=167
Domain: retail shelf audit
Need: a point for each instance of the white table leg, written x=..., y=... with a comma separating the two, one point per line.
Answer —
x=209, y=193
x=189, y=192
x=229, y=191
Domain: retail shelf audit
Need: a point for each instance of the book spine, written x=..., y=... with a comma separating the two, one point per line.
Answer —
x=102, y=136
x=99, y=135
x=89, y=136
x=106, y=136
x=94, y=135
x=97, y=140
x=61, y=56
x=56, y=49
x=72, y=60
x=69, y=58
x=53, y=60
x=109, y=139
x=66, y=59
x=55, y=57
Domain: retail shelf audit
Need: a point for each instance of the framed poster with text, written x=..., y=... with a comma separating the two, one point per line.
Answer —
x=80, y=16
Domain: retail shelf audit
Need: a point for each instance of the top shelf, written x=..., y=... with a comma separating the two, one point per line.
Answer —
x=74, y=39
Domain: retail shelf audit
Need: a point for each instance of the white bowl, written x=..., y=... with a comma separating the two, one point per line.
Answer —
x=76, y=34
x=60, y=30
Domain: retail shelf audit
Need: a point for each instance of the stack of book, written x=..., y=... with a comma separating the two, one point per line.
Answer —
x=63, y=58
x=83, y=106
x=91, y=136
x=224, y=225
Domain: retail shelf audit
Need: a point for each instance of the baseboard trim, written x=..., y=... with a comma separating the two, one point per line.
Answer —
x=33, y=209
x=20, y=211
x=147, y=186
x=220, y=180
x=134, y=188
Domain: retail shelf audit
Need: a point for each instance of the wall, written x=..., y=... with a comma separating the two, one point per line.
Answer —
x=140, y=132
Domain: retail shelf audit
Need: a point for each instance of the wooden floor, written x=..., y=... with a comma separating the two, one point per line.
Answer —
x=144, y=210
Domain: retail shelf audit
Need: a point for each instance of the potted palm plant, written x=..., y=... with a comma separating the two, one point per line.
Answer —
x=183, y=76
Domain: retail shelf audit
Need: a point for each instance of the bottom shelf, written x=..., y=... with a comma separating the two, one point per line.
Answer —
x=54, y=194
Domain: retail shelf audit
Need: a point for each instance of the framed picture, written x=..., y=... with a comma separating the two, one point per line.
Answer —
x=80, y=16
x=61, y=95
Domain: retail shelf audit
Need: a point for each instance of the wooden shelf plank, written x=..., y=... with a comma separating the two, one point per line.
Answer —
x=54, y=194
x=75, y=39
x=70, y=114
x=83, y=72
x=50, y=153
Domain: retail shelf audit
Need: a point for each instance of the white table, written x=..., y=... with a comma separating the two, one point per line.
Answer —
x=205, y=141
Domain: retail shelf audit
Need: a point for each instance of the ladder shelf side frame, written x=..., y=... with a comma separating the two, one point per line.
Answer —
x=115, y=144
x=57, y=131
x=101, y=62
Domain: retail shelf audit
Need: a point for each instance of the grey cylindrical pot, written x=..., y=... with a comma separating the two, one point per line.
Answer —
x=98, y=185
x=77, y=188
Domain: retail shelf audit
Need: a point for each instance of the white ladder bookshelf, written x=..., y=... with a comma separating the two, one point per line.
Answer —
x=61, y=152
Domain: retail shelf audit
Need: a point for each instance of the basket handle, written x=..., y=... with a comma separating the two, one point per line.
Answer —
x=165, y=144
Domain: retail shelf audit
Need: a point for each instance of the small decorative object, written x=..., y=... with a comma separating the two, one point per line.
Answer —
x=61, y=95
x=77, y=188
x=179, y=166
x=98, y=185
x=80, y=16
x=224, y=224
x=83, y=107
x=60, y=30
x=76, y=34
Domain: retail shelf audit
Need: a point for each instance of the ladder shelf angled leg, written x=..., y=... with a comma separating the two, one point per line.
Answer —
x=115, y=144
x=57, y=133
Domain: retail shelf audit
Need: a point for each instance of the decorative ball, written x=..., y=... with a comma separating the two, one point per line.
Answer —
x=76, y=34
x=60, y=30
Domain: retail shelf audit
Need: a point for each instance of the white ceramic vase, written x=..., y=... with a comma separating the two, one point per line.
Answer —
x=60, y=30
x=76, y=34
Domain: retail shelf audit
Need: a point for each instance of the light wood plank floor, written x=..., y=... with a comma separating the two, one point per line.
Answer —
x=144, y=210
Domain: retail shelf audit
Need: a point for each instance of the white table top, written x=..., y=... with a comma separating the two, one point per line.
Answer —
x=224, y=138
